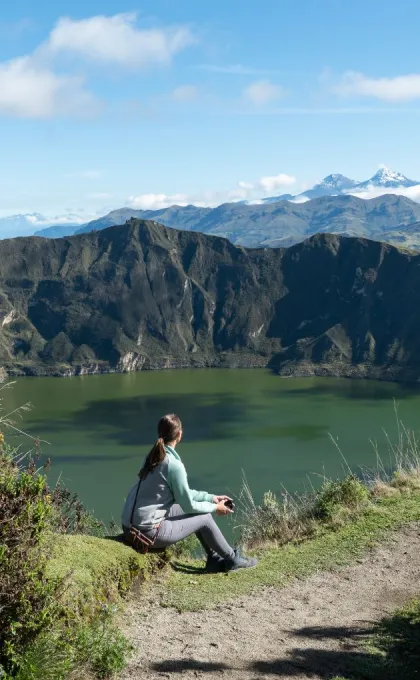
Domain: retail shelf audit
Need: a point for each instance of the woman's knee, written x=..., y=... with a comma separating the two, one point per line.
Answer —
x=208, y=520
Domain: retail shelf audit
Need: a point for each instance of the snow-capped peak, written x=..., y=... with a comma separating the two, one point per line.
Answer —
x=385, y=177
x=337, y=181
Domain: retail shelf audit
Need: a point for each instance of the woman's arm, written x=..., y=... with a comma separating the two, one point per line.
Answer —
x=178, y=482
x=201, y=496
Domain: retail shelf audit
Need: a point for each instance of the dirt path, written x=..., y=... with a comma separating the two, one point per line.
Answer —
x=310, y=629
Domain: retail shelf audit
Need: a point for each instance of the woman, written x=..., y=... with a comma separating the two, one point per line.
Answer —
x=164, y=510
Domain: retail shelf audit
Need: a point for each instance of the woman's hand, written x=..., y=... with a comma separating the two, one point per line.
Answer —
x=222, y=509
x=218, y=499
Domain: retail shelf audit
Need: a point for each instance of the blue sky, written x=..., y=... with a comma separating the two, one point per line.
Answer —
x=104, y=104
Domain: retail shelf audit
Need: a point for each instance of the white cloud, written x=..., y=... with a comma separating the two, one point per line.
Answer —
x=400, y=88
x=263, y=92
x=30, y=90
x=185, y=93
x=43, y=221
x=237, y=195
x=271, y=184
x=374, y=192
x=157, y=201
x=31, y=87
x=243, y=191
x=36, y=218
x=300, y=199
x=117, y=40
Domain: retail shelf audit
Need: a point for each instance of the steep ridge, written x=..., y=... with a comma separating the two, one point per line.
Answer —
x=145, y=296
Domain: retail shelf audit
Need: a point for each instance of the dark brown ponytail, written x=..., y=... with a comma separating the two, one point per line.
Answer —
x=169, y=428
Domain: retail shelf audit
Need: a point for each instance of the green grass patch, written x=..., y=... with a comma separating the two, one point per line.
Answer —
x=86, y=652
x=395, y=645
x=95, y=571
x=390, y=651
x=189, y=588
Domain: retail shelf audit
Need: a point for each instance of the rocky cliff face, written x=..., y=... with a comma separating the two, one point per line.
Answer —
x=144, y=296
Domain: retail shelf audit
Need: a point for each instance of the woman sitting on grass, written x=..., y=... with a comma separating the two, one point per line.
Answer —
x=161, y=509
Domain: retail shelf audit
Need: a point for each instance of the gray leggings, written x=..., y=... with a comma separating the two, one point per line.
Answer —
x=178, y=525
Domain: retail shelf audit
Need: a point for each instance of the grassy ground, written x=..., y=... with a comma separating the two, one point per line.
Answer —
x=189, y=588
x=392, y=650
x=96, y=571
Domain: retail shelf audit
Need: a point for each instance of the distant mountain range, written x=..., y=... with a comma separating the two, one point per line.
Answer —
x=284, y=223
x=332, y=205
x=338, y=185
x=57, y=230
x=332, y=185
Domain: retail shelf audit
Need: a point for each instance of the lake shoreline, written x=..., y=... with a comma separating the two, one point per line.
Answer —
x=285, y=369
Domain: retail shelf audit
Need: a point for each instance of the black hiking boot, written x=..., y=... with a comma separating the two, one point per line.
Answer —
x=240, y=562
x=215, y=563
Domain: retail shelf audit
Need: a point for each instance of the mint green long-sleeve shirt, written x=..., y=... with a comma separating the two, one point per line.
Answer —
x=166, y=485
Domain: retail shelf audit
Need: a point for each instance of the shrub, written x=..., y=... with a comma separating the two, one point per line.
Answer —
x=101, y=648
x=338, y=498
x=27, y=600
x=406, y=482
x=71, y=517
x=42, y=636
x=48, y=657
x=297, y=517
x=273, y=521
x=96, y=650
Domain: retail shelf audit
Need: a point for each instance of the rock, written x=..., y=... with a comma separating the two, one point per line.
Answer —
x=143, y=296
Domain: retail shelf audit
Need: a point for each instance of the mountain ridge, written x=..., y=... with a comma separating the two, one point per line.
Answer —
x=144, y=296
x=282, y=223
x=333, y=184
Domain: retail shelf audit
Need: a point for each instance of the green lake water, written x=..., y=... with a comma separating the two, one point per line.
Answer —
x=276, y=430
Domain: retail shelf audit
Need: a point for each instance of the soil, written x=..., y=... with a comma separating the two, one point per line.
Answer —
x=309, y=629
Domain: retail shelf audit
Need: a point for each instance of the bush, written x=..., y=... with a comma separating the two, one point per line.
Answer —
x=296, y=517
x=45, y=632
x=42, y=634
x=27, y=599
x=339, y=498
x=97, y=650
x=101, y=648
x=273, y=521
x=71, y=517
x=48, y=657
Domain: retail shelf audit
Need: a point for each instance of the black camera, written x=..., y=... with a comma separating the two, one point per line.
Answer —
x=229, y=504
